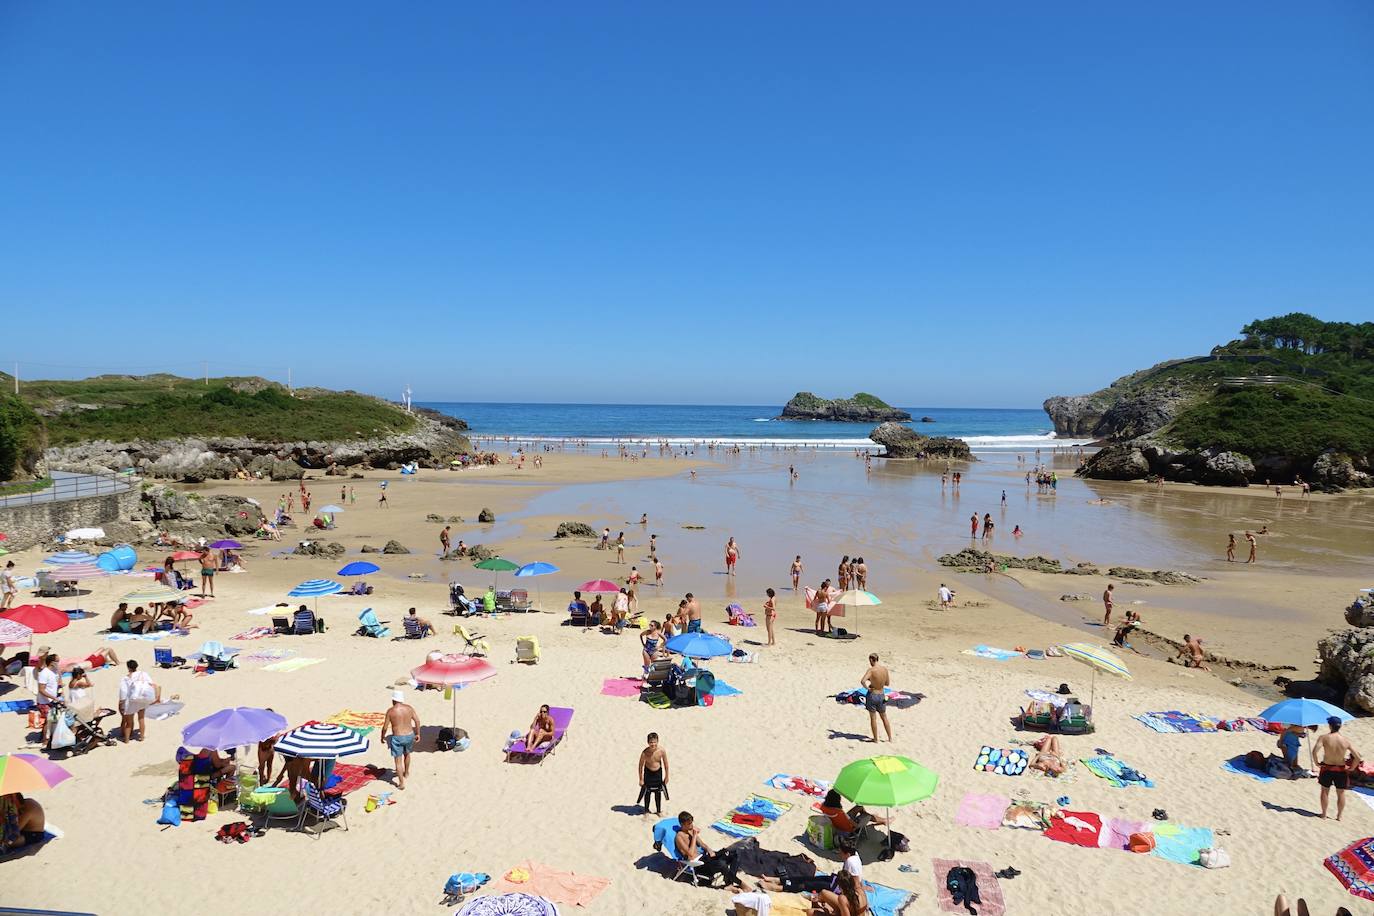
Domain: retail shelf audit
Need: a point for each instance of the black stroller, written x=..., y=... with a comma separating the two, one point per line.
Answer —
x=459, y=605
x=85, y=726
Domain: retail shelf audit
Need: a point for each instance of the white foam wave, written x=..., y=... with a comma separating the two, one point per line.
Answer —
x=977, y=443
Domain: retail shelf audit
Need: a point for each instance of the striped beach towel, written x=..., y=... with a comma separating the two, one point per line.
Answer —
x=767, y=810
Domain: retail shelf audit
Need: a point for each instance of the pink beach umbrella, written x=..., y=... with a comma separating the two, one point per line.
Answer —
x=598, y=586
x=452, y=671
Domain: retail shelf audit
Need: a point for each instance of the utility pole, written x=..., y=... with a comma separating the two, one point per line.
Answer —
x=205, y=367
x=289, y=390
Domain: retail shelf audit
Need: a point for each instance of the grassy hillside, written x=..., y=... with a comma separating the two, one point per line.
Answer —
x=122, y=408
x=22, y=438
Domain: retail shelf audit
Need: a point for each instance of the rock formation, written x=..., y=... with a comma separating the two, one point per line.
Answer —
x=575, y=530
x=904, y=442
x=394, y=546
x=486, y=516
x=1347, y=663
x=862, y=408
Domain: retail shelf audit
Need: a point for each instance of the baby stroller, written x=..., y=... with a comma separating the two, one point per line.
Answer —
x=458, y=601
x=85, y=726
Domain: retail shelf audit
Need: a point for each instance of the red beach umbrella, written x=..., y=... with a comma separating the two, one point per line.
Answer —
x=37, y=617
x=182, y=556
x=452, y=670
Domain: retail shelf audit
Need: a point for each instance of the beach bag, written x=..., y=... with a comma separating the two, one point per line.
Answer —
x=819, y=832
x=38, y=718
x=61, y=733
x=1277, y=768
x=1214, y=857
x=1141, y=842
x=447, y=740
x=171, y=813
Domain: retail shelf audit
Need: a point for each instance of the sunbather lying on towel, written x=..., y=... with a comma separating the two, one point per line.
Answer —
x=541, y=729
x=791, y=884
x=1049, y=759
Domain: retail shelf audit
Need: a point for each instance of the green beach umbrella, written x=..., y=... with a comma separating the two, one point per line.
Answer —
x=498, y=565
x=887, y=782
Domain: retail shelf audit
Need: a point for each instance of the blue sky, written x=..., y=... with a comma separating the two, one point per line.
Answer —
x=710, y=202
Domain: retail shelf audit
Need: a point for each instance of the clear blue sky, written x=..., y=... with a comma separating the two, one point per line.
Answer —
x=945, y=204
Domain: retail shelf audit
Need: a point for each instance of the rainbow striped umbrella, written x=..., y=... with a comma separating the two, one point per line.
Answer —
x=855, y=598
x=1096, y=658
x=28, y=773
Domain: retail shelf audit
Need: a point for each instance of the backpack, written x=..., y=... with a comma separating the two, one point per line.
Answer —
x=447, y=740
x=962, y=885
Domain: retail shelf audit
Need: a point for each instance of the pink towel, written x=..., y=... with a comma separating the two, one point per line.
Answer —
x=562, y=887
x=621, y=687
x=981, y=811
x=1116, y=833
x=994, y=904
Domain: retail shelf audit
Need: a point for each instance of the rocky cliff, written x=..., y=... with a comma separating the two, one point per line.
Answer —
x=862, y=408
x=900, y=441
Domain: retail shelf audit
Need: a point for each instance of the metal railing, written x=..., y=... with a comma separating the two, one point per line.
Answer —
x=67, y=486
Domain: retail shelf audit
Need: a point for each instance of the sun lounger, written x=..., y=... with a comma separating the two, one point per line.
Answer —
x=369, y=625
x=527, y=649
x=473, y=643
x=562, y=718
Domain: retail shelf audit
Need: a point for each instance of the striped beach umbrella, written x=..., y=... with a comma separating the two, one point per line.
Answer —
x=1097, y=658
x=14, y=633
x=855, y=598
x=28, y=773
x=155, y=593
x=75, y=572
x=71, y=558
x=314, y=588
x=321, y=741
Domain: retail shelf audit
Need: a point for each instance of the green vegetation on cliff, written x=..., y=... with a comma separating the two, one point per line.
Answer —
x=1292, y=420
x=21, y=437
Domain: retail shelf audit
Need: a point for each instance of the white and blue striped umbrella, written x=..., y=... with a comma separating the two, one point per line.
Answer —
x=1097, y=658
x=321, y=741
x=313, y=588
x=71, y=558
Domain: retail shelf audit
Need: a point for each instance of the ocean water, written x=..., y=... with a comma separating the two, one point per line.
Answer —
x=982, y=428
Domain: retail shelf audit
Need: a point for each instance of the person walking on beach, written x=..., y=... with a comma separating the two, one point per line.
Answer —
x=987, y=525
x=946, y=596
x=1253, y=545
x=207, y=574
x=8, y=586
x=1231, y=547
x=1108, y=604
x=381, y=500
x=875, y=680
x=399, y=729
x=653, y=774
x=658, y=572
x=136, y=693
x=445, y=544
x=1335, y=758
x=796, y=574
x=770, y=614
x=620, y=549
x=731, y=556
x=343, y=493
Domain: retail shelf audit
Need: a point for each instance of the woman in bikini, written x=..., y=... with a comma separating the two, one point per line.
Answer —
x=541, y=729
x=650, y=639
x=842, y=574
x=860, y=571
x=822, y=608
x=770, y=614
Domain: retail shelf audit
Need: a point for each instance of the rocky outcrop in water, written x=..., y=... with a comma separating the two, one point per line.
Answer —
x=330, y=551
x=862, y=408
x=395, y=547
x=900, y=441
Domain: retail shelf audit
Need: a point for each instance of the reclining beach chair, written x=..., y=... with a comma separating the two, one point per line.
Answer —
x=659, y=675
x=303, y=623
x=665, y=842
x=325, y=810
x=414, y=630
x=581, y=617
x=51, y=587
x=369, y=625
x=473, y=643
x=562, y=718
x=518, y=600
x=527, y=649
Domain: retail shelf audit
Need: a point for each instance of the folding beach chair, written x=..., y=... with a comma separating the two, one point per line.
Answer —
x=414, y=630
x=665, y=842
x=325, y=810
x=473, y=643
x=518, y=600
x=527, y=649
x=562, y=718
x=659, y=674
x=369, y=625
x=303, y=623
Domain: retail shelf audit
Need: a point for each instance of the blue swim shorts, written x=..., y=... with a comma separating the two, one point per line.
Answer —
x=400, y=744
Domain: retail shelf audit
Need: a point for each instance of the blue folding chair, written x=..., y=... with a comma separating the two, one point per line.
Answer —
x=325, y=810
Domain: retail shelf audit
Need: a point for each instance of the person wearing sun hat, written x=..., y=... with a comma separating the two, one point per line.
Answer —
x=398, y=731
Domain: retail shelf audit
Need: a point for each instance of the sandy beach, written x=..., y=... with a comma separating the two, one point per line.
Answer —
x=471, y=811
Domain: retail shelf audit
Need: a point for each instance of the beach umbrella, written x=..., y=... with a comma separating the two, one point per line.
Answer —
x=497, y=565
x=314, y=588
x=70, y=558
x=1303, y=712
x=155, y=593
x=699, y=645
x=241, y=726
x=331, y=509
x=513, y=904
x=28, y=773
x=14, y=633
x=451, y=671
x=78, y=571
x=886, y=781
x=1353, y=866
x=321, y=741
x=536, y=569
x=856, y=598
x=226, y=545
x=359, y=568
x=184, y=556
x=1096, y=658
x=39, y=618
x=85, y=534
x=598, y=586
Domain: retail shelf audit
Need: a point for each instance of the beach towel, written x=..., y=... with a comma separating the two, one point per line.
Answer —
x=1029, y=815
x=1079, y=828
x=621, y=686
x=994, y=904
x=292, y=664
x=564, y=888
x=1116, y=772
x=351, y=718
x=146, y=637
x=1352, y=866
x=263, y=611
x=983, y=811
x=657, y=699
x=268, y=655
x=164, y=710
x=254, y=633
x=802, y=785
x=889, y=901
x=349, y=777
x=723, y=689
x=1003, y=761
x=1116, y=833
x=993, y=653
x=1181, y=844
x=1155, y=723
x=768, y=809
x=16, y=705
x=1237, y=765
x=1364, y=794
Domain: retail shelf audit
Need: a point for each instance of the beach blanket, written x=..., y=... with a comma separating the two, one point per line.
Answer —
x=657, y=699
x=16, y=705
x=192, y=603
x=564, y=888
x=1029, y=815
x=351, y=718
x=1352, y=866
x=723, y=689
x=1078, y=828
x=621, y=686
x=857, y=697
x=993, y=653
x=1116, y=832
x=985, y=811
x=1237, y=765
x=802, y=785
x=254, y=633
x=755, y=815
x=1003, y=761
x=1364, y=794
x=292, y=664
x=1116, y=772
x=164, y=710
x=146, y=637
x=1181, y=844
x=1156, y=724
x=889, y=901
x=268, y=655
x=989, y=891
x=349, y=777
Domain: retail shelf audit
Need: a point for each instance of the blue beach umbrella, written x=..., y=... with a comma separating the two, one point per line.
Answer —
x=314, y=588
x=359, y=568
x=700, y=645
x=1303, y=712
x=536, y=569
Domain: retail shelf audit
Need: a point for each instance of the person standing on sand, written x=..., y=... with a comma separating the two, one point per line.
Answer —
x=653, y=774
x=381, y=500
x=821, y=605
x=8, y=586
x=859, y=569
x=987, y=525
x=693, y=613
x=444, y=542
x=620, y=549
x=658, y=572
x=731, y=556
x=343, y=493
x=399, y=729
x=1253, y=545
x=875, y=680
x=1231, y=547
x=1108, y=604
x=207, y=574
x=946, y=596
x=1335, y=758
x=352, y=497
x=973, y=525
x=796, y=574
x=842, y=573
x=770, y=614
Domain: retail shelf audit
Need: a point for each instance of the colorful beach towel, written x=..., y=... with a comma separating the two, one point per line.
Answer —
x=985, y=811
x=292, y=664
x=1116, y=772
x=802, y=785
x=1116, y=833
x=755, y=815
x=886, y=901
x=989, y=891
x=254, y=633
x=268, y=655
x=1352, y=866
x=1155, y=723
x=1181, y=844
x=1078, y=828
x=1237, y=765
x=1029, y=815
x=16, y=705
x=1003, y=761
x=348, y=777
x=621, y=686
x=562, y=887
x=993, y=653
x=351, y=718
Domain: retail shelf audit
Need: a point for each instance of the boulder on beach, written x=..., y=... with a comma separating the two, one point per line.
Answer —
x=486, y=516
x=332, y=550
x=394, y=546
x=900, y=441
x=575, y=530
x=1347, y=664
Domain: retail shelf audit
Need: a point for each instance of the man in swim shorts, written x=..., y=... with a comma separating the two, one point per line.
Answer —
x=1334, y=757
x=403, y=724
x=876, y=679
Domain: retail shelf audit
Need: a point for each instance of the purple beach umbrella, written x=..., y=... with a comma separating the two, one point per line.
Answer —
x=242, y=726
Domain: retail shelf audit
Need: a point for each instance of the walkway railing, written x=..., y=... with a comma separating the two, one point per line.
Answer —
x=68, y=486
